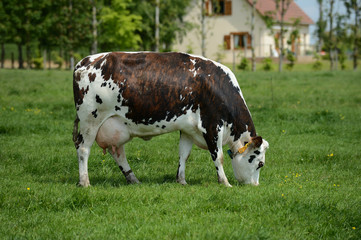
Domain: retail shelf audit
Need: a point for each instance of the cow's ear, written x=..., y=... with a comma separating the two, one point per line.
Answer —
x=256, y=141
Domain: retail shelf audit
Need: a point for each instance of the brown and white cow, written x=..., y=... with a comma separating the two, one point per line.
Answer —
x=121, y=95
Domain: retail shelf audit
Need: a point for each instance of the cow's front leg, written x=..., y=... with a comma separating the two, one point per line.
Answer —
x=119, y=156
x=218, y=162
x=214, y=143
x=185, y=147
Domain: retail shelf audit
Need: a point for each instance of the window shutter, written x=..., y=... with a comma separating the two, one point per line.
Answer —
x=249, y=41
x=227, y=41
x=228, y=7
x=207, y=8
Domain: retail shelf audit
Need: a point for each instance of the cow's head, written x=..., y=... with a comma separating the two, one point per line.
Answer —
x=249, y=160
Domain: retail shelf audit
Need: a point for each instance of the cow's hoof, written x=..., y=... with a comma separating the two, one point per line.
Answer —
x=84, y=182
x=131, y=179
x=182, y=181
x=134, y=182
x=224, y=182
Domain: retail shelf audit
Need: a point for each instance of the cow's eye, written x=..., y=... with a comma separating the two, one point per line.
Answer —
x=260, y=164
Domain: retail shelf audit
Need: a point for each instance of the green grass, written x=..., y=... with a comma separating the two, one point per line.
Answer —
x=309, y=187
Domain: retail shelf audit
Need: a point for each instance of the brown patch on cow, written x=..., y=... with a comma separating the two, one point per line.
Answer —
x=76, y=76
x=84, y=62
x=91, y=77
x=79, y=93
x=257, y=141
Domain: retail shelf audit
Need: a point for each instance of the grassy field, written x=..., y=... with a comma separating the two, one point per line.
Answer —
x=309, y=187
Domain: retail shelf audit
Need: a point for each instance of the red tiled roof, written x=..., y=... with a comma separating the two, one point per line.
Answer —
x=293, y=11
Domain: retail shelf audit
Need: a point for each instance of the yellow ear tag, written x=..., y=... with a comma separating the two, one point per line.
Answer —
x=244, y=148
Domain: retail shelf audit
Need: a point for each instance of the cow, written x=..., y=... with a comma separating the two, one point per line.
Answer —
x=120, y=95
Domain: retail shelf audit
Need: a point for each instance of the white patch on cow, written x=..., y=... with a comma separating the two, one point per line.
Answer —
x=194, y=71
x=95, y=56
x=103, y=63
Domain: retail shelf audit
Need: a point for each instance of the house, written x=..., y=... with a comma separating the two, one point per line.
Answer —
x=227, y=30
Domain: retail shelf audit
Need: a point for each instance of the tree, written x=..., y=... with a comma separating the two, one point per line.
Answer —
x=321, y=26
x=171, y=24
x=354, y=8
x=254, y=2
x=94, y=48
x=341, y=41
x=24, y=17
x=4, y=28
x=331, y=45
x=119, y=27
x=282, y=7
x=203, y=27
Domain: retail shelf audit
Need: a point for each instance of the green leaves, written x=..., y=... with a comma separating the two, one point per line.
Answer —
x=119, y=27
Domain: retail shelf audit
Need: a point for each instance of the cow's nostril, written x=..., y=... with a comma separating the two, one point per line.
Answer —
x=260, y=164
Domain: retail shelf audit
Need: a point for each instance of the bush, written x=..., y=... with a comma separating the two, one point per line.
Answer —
x=267, y=64
x=317, y=65
x=58, y=60
x=38, y=63
x=342, y=58
x=244, y=65
x=291, y=60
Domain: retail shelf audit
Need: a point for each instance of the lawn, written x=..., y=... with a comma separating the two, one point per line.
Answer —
x=310, y=187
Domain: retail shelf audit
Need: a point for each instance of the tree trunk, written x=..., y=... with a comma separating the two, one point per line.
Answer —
x=44, y=59
x=320, y=25
x=20, y=58
x=331, y=50
x=2, y=55
x=280, y=65
x=356, y=38
x=157, y=26
x=95, y=32
x=252, y=36
x=49, y=59
x=28, y=56
x=12, y=60
x=203, y=31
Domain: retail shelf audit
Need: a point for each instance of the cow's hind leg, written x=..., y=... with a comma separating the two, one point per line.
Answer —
x=185, y=147
x=119, y=156
x=83, y=143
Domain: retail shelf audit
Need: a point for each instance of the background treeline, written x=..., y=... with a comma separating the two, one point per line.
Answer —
x=339, y=34
x=39, y=32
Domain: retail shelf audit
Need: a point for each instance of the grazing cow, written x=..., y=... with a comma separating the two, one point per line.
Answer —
x=121, y=95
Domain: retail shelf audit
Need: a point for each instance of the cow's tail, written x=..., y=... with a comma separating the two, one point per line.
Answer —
x=75, y=130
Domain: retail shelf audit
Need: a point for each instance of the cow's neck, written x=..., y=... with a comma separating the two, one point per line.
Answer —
x=240, y=133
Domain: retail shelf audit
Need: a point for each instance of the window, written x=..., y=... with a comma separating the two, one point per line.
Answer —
x=241, y=40
x=218, y=7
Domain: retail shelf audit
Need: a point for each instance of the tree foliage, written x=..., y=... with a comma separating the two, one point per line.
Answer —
x=66, y=26
x=171, y=22
x=119, y=27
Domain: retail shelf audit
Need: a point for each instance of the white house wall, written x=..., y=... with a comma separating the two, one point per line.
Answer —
x=219, y=26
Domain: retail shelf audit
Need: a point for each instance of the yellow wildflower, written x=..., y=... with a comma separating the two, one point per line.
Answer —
x=28, y=189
